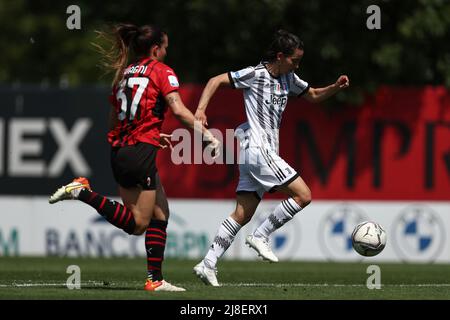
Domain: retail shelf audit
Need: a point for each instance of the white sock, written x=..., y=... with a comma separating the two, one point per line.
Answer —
x=222, y=241
x=284, y=212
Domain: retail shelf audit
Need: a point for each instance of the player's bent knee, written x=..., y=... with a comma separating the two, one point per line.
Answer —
x=139, y=229
x=244, y=220
x=305, y=203
x=141, y=226
x=304, y=199
x=240, y=218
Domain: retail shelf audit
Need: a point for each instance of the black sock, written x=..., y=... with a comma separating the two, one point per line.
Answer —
x=155, y=243
x=116, y=213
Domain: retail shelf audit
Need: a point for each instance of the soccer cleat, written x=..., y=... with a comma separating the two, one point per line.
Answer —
x=70, y=191
x=261, y=245
x=207, y=275
x=162, y=285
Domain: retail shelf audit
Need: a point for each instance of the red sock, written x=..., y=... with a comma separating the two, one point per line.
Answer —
x=116, y=213
x=155, y=243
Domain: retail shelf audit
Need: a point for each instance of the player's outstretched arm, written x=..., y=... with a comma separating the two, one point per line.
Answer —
x=208, y=92
x=316, y=95
x=185, y=116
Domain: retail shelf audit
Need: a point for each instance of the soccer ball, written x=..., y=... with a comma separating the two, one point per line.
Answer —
x=368, y=238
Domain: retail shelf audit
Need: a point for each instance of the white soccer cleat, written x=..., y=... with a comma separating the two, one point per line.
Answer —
x=162, y=285
x=70, y=191
x=166, y=286
x=262, y=246
x=207, y=275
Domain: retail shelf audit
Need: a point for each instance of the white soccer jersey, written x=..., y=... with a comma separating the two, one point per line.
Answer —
x=265, y=99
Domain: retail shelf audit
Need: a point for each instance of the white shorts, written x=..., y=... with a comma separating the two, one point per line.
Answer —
x=263, y=170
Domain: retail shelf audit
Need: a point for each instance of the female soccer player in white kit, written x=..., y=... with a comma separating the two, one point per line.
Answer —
x=266, y=87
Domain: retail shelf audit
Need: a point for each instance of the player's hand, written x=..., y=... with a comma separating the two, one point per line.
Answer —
x=214, y=144
x=200, y=115
x=342, y=82
x=164, y=141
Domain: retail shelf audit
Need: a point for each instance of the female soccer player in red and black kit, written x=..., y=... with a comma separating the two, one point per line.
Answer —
x=143, y=89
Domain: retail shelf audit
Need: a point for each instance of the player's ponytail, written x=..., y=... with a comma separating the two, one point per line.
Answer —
x=126, y=43
x=284, y=42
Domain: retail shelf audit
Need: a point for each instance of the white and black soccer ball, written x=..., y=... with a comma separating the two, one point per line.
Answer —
x=368, y=238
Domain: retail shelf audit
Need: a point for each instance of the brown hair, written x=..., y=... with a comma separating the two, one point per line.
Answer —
x=284, y=42
x=125, y=43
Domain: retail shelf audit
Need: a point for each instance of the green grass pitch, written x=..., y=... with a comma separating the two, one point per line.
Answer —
x=121, y=278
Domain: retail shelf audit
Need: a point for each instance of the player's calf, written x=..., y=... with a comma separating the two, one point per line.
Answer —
x=114, y=212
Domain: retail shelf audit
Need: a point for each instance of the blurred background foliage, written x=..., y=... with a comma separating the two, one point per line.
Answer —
x=212, y=37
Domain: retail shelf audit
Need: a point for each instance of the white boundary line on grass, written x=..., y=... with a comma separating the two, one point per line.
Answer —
x=286, y=285
x=43, y=284
x=278, y=285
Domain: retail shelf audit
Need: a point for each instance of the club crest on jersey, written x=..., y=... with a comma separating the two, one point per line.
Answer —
x=173, y=81
x=279, y=87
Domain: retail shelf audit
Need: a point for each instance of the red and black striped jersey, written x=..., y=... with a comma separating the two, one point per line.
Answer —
x=138, y=101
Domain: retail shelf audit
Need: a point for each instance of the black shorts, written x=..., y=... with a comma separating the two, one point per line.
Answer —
x=135, y=165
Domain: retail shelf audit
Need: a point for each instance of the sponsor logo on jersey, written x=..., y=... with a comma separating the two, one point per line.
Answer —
x=173, y=81
x=276, y=100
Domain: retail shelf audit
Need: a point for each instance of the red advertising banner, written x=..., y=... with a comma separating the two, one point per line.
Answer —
x=396, y=146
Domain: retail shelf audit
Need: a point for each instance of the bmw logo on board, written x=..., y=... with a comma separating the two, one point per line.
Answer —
x=419, y=234
x=335, y=232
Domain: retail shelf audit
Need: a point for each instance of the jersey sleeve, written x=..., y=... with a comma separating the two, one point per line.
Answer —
x=297, y=86
x=168, y=81
x=242, y=79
